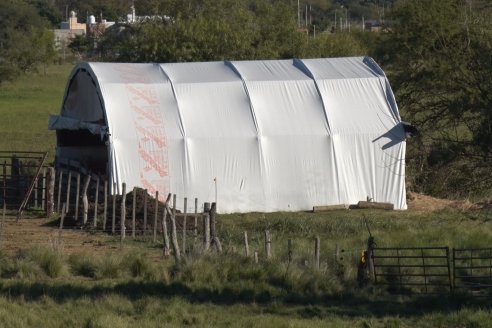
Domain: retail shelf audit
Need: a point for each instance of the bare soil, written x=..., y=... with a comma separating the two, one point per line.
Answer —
x=41, y=232
x=425, y=203
x=30, y=231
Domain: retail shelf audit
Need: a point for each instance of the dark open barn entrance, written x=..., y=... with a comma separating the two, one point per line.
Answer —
x=23, y=180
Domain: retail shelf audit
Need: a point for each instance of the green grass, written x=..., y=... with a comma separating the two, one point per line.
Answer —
x=25, y=105
x=134, y=287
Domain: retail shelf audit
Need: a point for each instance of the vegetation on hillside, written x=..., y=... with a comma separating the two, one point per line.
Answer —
x=25, y=39
x=437, y=55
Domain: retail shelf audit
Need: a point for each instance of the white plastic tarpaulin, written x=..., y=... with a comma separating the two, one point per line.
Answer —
x=251, y=135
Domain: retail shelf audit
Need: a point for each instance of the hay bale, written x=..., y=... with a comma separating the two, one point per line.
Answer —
x=375, y=205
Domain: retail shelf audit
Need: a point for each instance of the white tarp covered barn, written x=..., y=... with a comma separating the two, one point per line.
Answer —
x=252, y=135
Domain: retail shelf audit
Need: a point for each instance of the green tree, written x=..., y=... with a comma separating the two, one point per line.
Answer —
x=337, y=45
x=205, y=30
x=48, y=10
x=79, y=45
x=437, y=55
x=45, y=52
x=24, y=40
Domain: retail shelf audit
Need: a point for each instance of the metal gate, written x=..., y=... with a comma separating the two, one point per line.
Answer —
x=472, y=270
x=23, y=182
x=413, y=269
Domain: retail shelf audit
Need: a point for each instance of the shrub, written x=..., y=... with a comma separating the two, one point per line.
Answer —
x=6, y=266
x=50, y=262
x=26, y=269
x=109, y=268
x=83, y=265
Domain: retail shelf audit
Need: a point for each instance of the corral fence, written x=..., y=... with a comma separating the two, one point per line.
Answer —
x=83, y=198
x=434, y=270
x=23, y=180
x=419, y=269
x=472, y=270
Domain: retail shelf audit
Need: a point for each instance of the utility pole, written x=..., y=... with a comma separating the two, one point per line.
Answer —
x=298, y=14
x=306, y=16
x=310, y=16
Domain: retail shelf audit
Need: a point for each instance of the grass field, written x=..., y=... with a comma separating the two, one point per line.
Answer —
x=86, y=280
x=25, y=105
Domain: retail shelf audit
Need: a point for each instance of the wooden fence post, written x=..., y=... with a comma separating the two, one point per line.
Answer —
x=77, y=194
x=316, y=252
x=113, y=222
x=185, y=210
x=174, y=237
x=289, y=250
x=206, y=225
x=50, y=194
x=155, y=215
x=123, y=215
x=246, y=244
x=85, y=200
x=105, y=208
x=213, y=211
x=370, y=261
x=134, y=208
x=4, y=211
x=36, y=193
x=217, y=244
x=195, y=225
x=206, y=231
x=96, y=201
x=174, y=204
x=62, y=218
x=4, y=175
x=145, y=213
x=4, y=169
x=67, y=206
x=60, y=184
x=43, y=191
x=268, y=244
x=165, y=235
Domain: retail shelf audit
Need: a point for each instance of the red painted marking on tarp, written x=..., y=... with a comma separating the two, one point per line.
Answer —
x=155, y=135
x=144, y=93
x=154, y=185
x=154, y=162
x=150, y=114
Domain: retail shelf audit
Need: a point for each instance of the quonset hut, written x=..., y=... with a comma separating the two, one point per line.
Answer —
x=277, y=135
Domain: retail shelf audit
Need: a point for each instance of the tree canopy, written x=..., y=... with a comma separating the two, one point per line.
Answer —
x=437, y=55
x=25, y=39
x=223, y=29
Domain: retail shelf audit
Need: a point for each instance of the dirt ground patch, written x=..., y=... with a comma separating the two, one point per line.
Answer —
x=75, y=239
x=425, y=203
x=36, y=232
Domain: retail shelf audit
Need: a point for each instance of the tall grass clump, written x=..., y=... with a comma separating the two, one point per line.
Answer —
x=270, y=278
x=47, y=261
x=83, y=265
x=110, y=268
x=6, y=265
x=139, y=266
